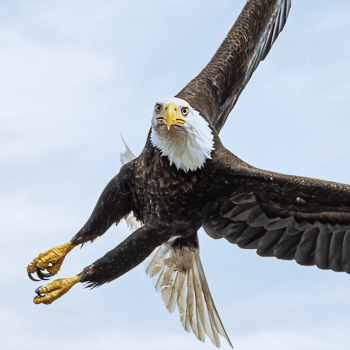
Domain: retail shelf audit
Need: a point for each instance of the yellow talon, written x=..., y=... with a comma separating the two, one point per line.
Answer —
x=55, y=289
x=54, y=256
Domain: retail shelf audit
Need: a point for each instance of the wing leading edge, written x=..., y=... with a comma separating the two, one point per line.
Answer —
x=215, y=91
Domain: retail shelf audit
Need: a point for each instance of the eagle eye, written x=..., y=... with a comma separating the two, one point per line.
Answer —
x=184, y=111
x=158, y=108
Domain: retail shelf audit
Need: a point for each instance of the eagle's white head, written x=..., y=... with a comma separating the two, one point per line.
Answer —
x=181, y=134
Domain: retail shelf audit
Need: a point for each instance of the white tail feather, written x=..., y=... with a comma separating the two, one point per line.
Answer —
x=179, y=276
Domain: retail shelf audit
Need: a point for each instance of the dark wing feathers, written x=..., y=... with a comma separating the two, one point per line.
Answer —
x=288, y=217
x=215, y=91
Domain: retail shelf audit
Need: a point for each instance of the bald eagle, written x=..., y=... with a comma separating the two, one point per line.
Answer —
x=185, y=179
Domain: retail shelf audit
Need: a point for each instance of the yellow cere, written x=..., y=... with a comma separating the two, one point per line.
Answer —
x=171, y=116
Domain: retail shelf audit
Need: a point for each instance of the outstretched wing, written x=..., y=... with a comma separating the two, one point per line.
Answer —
x=215, y=91
x=288, y=217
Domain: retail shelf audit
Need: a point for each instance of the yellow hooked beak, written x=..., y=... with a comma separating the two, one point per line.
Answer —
x=171, y=116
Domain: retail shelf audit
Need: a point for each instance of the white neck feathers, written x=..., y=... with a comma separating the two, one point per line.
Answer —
x=187, y=146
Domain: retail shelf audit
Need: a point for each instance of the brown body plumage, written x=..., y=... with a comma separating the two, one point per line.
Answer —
x=162, y=194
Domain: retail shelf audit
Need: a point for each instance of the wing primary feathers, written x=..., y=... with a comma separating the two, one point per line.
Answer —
x=346, y=252
x=304, y=254
x=215, y=91
x=179, y=276
x=335, y=251
x=322, y=248
x=275, y=26
x=314, y=231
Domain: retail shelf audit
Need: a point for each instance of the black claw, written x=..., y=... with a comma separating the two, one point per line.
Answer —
x=42, y=275
x=32, y=278
x=36, y=297
x=37, y=291
x=45, y=274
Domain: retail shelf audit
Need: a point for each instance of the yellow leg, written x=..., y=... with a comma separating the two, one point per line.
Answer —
x=54, y=256
x=55, y=289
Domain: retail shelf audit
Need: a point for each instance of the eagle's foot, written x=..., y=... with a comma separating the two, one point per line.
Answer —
x=54, y=256
x=54, y=290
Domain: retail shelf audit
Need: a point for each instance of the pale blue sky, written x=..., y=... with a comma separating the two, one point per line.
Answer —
x=76, y=74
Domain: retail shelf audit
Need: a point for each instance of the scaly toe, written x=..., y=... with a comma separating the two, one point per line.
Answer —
x=54, y=290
